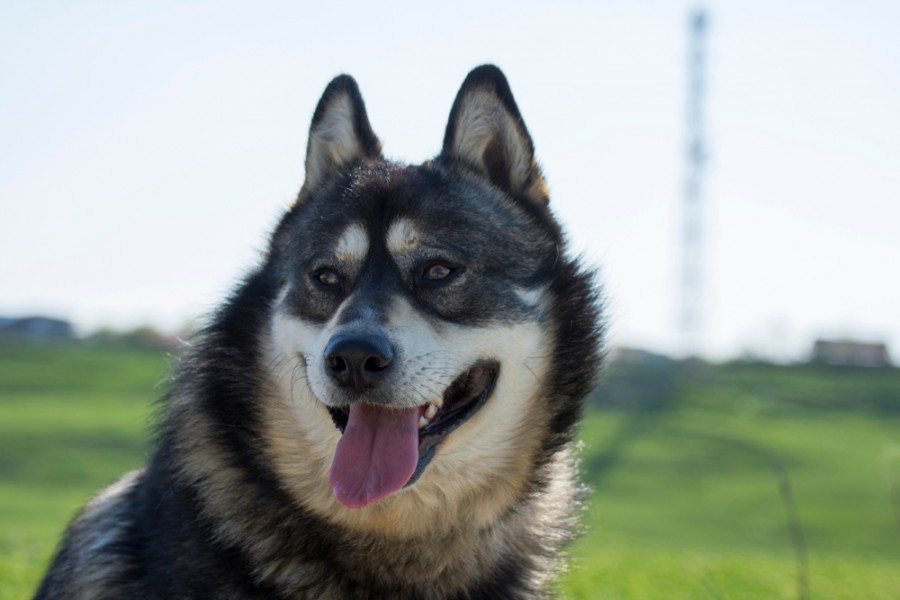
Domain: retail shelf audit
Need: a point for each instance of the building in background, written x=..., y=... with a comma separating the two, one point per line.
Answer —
x=849, y=353
x=36, y=327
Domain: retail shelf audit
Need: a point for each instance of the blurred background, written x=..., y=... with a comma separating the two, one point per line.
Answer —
x=731, y=168
x=149, y=147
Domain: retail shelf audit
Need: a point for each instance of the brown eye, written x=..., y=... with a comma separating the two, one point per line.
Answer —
x=327, y=277
x=436, y=272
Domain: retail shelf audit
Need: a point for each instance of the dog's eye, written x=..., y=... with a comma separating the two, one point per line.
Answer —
x=327, y=277
x=436, y=272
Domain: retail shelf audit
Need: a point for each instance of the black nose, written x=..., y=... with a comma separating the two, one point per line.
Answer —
x=358, y=361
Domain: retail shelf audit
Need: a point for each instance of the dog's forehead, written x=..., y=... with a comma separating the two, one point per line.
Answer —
x=403, y=235
x=353, y=243
x=411, y=212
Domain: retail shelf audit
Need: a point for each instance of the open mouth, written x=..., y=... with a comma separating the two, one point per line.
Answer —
x=434, y=421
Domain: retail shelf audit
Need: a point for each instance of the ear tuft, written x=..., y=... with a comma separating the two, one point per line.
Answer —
x=486, y=133
x=340, y=133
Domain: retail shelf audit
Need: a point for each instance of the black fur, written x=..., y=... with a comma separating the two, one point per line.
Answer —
x=346, y=85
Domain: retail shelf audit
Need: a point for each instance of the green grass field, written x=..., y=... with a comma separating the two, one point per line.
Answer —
x=722, y=482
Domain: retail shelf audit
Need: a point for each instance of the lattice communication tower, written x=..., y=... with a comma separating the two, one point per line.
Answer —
x=691, y=301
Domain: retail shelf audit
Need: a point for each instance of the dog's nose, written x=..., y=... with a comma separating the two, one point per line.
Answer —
x=358, y=361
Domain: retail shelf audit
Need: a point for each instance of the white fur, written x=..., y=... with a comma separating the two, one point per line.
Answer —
x=332, y=142
x=483, y=119
x=535, y=298
x=402, y=236
x=353, y=244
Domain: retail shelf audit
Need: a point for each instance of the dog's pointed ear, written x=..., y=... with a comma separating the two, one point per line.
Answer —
x=340, y=133
x=486, y=133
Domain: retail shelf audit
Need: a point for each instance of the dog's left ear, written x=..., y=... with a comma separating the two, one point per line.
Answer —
x=486, y=133
x=340, y=133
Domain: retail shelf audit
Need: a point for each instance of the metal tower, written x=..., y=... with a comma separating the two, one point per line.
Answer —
x=691, y=305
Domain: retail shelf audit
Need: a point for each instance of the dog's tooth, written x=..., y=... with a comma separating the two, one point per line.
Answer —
x=431, y=411
x=422, y=422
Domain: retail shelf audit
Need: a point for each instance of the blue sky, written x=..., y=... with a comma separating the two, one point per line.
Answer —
x=146, y=148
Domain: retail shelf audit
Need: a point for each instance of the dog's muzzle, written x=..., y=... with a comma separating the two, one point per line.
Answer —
x=384, y=447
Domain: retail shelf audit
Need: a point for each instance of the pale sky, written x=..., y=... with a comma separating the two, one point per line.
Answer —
x=146, y=149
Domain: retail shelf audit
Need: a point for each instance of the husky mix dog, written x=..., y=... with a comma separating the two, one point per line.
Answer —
x=385, y=407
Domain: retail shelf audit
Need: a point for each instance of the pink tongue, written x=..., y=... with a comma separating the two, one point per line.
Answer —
x=377, y=454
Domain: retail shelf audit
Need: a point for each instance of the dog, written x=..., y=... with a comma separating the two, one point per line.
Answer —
x=385, y=407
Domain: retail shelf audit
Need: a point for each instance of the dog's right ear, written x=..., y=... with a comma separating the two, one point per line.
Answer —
x=340, y=133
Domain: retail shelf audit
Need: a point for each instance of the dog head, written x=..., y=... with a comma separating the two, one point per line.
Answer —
x=413, y=332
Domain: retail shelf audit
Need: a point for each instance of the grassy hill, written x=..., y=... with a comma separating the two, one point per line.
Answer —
x=742, y=481
x=708, y=481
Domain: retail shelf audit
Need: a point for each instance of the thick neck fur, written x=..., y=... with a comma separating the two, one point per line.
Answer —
x=288, y=548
